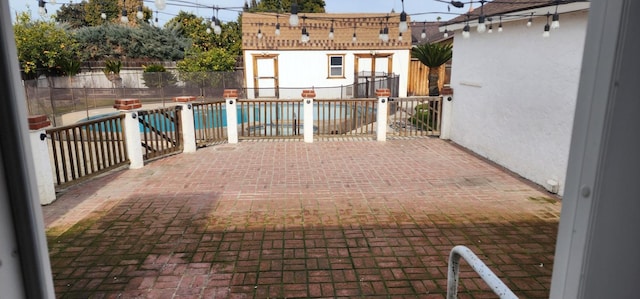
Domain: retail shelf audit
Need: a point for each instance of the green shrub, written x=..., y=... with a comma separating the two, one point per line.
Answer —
x=156, y=76
x=423, y=118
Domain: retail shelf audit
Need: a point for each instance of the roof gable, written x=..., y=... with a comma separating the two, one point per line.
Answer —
x=367, y=29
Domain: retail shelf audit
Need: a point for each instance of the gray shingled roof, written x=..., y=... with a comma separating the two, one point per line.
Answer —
x=501, y=7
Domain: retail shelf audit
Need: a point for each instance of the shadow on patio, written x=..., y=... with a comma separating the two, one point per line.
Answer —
x=289, y=219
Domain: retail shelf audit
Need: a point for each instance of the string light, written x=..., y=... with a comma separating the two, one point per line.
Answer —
x=403, y=27
x=490, y=25
x=217, y=29
x=161, y=4
x=530, y=21
x=423, y=35
x=500, y=25
x=446, y=32
x=41, y=9
x=481, y=25
x=277, y=32
x=139, y=14
x=354, y=39
x=293, y=19
x=304, y=38
x=546, y=33
x=465, y=30
x=260, y=31
x=400, y=36
x=331, y=32
x=124, y=19
x=555, y=20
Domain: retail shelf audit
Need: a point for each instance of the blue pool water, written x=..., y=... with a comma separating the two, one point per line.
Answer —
x=261, y=114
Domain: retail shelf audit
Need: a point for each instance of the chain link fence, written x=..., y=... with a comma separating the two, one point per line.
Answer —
x=66, y=100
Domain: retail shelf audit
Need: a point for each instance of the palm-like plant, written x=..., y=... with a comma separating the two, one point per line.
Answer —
x=433, y=56
x=112, y=71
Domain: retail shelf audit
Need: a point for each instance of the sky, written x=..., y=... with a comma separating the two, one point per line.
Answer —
x=419, y=10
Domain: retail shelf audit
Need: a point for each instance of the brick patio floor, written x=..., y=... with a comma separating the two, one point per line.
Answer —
x=294, y=220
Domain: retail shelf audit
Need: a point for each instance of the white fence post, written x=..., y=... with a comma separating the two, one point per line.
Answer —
x=381, y=115
x=231, y=99
x=188, y=126
x=307, y=100
x=132, y=131
x=41, y=158
x=445, y=116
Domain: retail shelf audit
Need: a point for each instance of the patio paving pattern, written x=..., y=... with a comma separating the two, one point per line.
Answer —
x=331, y=219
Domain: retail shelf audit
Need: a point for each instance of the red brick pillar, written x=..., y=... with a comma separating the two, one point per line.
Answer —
x=184, y=99
x=127, y=104
x=37, y=122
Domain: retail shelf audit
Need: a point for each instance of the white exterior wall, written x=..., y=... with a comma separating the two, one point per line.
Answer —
x=515, y=95
x=300, y=70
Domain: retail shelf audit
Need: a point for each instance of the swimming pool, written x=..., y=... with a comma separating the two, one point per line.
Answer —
x=256, y=116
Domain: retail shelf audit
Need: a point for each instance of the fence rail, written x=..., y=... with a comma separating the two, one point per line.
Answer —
x=210, y=121
x=270, y=118
x=419, y=116
x=161, y=132
x=87, y=149
x=345, y=117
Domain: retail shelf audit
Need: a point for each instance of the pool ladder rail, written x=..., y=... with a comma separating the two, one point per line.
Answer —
x=453, y=277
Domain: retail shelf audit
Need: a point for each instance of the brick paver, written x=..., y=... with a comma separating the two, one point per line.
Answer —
x=295, y=220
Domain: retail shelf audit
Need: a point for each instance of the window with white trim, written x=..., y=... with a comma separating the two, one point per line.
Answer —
x=336, y=66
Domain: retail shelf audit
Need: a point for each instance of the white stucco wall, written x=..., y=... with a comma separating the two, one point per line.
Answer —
x=515, y=95
x=300, y=70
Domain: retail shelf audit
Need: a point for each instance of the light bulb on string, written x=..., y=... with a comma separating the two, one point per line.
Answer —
x=139, y=14
x=482, y=27
x=546, y=32
x=331, y=31
x=403, y=26
x=293, y=18
x=530, y=21
x=124, y=18
x=161, y=4
x=41, y=10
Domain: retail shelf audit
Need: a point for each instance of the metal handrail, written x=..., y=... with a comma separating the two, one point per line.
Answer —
x=497, y=286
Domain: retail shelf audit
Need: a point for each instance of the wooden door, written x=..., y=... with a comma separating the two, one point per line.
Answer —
x=265, y=81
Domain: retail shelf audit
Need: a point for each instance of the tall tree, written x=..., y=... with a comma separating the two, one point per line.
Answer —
x=43, y=46
x=117, y=41
x=285, y=6
x=73, y=14
x=195, y=29
x=95, y=8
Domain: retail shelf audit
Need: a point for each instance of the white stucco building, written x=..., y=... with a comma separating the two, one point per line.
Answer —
x=514, y=90
x=281, y=66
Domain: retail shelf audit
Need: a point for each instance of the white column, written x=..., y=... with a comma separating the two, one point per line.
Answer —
x=232, y=119
x=445, y=116
x=42, y=163
x=308, y=120
x=188, y=128
x=133, y=139
x=381, y=114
